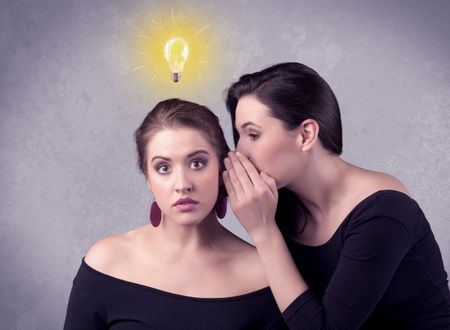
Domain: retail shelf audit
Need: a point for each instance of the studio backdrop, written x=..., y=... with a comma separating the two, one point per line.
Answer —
x=78, y=77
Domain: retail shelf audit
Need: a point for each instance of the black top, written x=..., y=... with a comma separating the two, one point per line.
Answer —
x=382, y=269
x=100, y=301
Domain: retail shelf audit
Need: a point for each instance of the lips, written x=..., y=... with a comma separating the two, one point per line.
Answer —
x=185, y=201
x=185, y=204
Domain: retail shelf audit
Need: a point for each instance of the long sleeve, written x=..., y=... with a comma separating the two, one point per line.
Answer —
x=369, y=259
x=382, y=269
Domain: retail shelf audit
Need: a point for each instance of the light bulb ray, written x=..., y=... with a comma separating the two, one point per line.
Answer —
x=201, y=30
x=144, y=36
x=139, y=67
x=165, y=62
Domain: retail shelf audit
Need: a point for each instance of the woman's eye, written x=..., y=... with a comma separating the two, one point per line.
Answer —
x=197, y=164
x=163, y=168
x=253, y=137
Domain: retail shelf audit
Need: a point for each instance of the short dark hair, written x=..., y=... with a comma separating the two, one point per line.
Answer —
x=180, y=113
x=293, y=92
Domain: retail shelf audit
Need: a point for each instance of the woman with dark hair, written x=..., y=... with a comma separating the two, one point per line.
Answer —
x=184, y=270
x=342, y=247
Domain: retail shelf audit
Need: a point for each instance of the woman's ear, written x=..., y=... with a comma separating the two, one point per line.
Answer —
x=149, y=185
x=308, y=133
x=221, y=169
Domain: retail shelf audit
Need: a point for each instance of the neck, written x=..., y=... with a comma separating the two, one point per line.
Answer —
x=321, y=184
x=179, y=241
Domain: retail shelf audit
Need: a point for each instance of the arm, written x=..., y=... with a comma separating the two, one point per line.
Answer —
x=369, y=258
x=281, y=272
x=253, y=200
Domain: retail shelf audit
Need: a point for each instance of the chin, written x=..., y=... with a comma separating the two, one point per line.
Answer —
x=278, y=181
x=189, y=220
x=189, y=224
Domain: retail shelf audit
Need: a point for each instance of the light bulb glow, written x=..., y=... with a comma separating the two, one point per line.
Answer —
x=204, y=50
x=176, y=52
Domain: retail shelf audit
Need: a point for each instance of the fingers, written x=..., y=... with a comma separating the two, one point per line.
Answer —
x=251, y=170
x=242, y=177
x=238, y=174
x=255, y=177
x=248, y=175
x=234, y=182
x=271, y=183
x=228, y=186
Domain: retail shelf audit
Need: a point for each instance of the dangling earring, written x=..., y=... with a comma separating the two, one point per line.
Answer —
x=221, y=206
x=155, y=214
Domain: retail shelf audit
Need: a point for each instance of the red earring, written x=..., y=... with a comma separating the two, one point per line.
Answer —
x=155, y=214
x=221, y=206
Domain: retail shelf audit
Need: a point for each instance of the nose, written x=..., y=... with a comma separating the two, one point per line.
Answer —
x=242, y=148
x=183, y=184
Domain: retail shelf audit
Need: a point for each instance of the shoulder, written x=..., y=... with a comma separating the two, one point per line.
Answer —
x=237, y=248
x=106, y=253
x=376, y=181
x=386, y=213
x=391, y=195
x=247, y=255
x=383, y=190
x=398, y=206
x=245, y=267
x=380, y=195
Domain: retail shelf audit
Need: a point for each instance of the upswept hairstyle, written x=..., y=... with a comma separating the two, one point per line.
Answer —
x=293, y=92
x=172, y=113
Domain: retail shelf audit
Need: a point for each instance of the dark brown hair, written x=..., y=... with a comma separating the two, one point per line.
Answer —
x=172, y=113
x=293, y=93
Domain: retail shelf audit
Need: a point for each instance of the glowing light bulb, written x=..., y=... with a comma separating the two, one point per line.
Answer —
x=176, y=52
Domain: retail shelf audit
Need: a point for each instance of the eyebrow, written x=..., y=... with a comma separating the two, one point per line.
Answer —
x=196, y=152
x=244, y=125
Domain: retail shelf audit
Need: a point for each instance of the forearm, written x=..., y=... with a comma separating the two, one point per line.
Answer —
x=284, y=278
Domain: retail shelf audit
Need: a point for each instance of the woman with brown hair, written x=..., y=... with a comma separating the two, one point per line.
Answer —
x=185, y=270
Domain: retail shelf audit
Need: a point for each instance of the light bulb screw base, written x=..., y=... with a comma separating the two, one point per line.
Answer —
x=176, y=76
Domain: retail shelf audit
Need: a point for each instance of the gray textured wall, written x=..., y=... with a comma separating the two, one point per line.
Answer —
x=70, y=101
